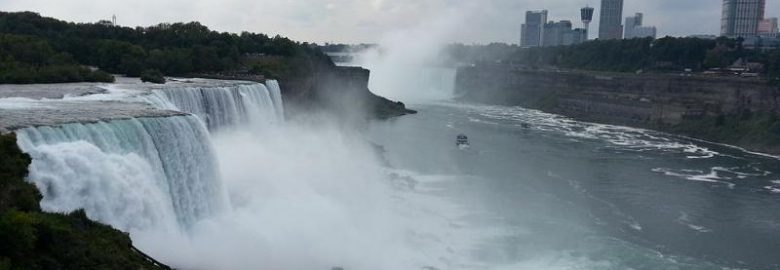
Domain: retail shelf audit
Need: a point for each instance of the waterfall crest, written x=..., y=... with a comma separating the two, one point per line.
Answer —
x=132, y=174
x=221, y=107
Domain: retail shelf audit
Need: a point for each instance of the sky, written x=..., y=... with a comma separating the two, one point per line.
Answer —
x=367, y=21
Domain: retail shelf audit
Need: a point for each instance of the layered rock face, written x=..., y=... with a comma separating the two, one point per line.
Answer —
x=732, y=110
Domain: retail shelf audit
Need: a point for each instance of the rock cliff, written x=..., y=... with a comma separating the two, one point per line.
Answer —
x=732, y=110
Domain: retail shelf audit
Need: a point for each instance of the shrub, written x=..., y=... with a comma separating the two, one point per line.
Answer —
x=152, y=76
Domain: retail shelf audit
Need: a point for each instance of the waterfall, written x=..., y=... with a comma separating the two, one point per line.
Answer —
x=276, y=95
x=133, y=174
x=222, y=107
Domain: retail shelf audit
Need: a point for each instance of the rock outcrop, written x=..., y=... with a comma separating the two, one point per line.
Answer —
x=341, y=90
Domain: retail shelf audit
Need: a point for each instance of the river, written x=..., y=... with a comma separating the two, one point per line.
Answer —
x=540, y=191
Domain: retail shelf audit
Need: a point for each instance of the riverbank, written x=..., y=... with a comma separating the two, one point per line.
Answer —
x=731, y=110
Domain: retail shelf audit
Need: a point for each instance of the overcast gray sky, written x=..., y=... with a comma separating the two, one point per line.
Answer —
x=353, y=21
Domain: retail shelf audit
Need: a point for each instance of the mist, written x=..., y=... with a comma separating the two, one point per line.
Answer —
x=407, y=65
x=302, y=196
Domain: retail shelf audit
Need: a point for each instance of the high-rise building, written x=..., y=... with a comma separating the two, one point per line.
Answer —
x=741, y=17
x=768, y=27
x=532, y=29
x=554, y=33
x=610, y=19
x=634, y=28
x=586, y=14
x=575, y=36
x=631, y=23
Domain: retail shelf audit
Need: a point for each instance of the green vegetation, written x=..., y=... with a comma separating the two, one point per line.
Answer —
x=631, y=55
x=31, y=239
x=750, y=130
x=152, y=76
x=176, y=49
x=25, y=59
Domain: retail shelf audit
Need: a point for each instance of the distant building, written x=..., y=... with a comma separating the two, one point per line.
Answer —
x=610, y=19
x=575, y=36
x=561, y=34
x=741, y=17
x=635, y=29
x=531, y=33
x=554, y=33
x=768, y=27
x=586, y=14
x=645, y=32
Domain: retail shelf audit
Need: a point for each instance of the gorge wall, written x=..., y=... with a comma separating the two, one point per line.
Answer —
x=732, y=110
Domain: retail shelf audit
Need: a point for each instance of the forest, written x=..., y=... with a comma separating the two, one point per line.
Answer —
x=38, y=49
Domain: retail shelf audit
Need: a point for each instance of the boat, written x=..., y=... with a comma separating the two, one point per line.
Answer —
x=462, y=141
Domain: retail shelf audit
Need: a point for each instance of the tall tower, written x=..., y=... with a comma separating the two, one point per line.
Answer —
x=610, y=18
x=587, y=17
x=113, y=20
x=741, y=18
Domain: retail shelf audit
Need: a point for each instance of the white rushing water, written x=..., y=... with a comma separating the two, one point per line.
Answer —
x=134, y=174
x=224, y=106
x=255, y=193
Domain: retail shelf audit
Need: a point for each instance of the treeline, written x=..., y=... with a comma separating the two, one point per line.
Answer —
x=25, y=59
x=665, y=54
x=173, y=49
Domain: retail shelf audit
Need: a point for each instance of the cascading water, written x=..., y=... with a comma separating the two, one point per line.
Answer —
x=276, y=95
x=222, y=107
x=134, y=174
x=296, y=196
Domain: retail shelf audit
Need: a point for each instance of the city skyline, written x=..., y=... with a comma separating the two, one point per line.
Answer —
x=356, y=21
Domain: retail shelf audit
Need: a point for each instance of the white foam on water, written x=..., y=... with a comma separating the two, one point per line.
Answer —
x=621, y=138
x=686, y=220
x=712, y=176
x=15, y=103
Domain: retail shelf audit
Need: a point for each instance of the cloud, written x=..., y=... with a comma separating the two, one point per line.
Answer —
x=370, y=20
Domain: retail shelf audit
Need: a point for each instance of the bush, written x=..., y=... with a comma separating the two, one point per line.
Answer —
x=152, y=76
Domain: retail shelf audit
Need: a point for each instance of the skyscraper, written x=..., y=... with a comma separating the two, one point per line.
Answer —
x=741, y=17
x=610, y=19
x=531, y=34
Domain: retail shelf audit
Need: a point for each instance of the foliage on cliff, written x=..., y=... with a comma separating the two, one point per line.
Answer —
x=26, y=59
x=754, y=131
x=31, y=239
x=173, y=49
x=152, y=76
x=628, y=55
